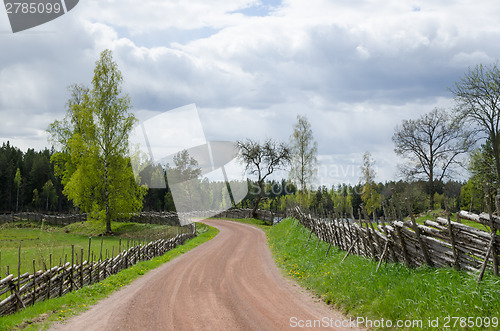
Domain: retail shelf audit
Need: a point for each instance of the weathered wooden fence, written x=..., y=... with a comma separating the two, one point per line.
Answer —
x=27, y=289
x=264, y=215
x=53, y=219
x=165, y=218
x=440, y=243
x=152, y=217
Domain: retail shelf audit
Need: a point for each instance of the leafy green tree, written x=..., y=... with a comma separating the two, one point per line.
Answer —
x=36, y=199
x=17, y=183
x=262, y=160
x=482, y=169
x=370, y=197
x=342, y=198
x=472, y=196
x=169, y=202
x=49, y=193
x=477, y=95
x=304, y=154
x=93, y=164
x=184, y=181
x=482, y=164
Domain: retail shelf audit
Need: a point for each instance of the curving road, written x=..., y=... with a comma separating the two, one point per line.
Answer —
x=228, y=283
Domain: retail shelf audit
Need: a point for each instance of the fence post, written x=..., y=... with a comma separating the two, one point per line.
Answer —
x=88, y=255
x=485, y=263
x=19, y=265
x=72, y=266
x=34, y=284
x=417, y=232
x=403, y=246
x=61, y=283
x=494, y=254
x=369, y=235
x=452, y=236
x=81, y=267
x=47, y=295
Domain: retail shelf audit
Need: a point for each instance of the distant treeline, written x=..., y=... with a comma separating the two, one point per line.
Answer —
x=38, y=189
x=281, y=195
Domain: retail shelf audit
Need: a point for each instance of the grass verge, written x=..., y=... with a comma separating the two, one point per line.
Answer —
x=394, y=293
x=252, y=221
x=42, y=314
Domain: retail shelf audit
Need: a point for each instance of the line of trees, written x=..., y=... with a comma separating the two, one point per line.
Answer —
x=92, y=172
x=36, y=171
x=27, y=181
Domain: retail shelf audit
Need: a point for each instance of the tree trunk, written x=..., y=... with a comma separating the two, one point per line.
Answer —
x=496, y=154
x=108, y=222
x=259, y=197
x=17, y=200
x=431, y=189
x=106, y=198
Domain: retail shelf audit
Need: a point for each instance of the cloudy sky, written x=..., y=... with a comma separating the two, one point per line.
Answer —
x=355, y=68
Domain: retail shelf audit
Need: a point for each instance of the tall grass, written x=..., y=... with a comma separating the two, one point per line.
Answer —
x=394, y=292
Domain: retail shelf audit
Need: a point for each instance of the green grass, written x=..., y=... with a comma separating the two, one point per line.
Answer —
x=42, y=314
x=40, y=240
x=394, y=292
x=252, y=221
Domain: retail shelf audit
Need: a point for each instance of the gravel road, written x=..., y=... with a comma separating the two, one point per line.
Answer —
x=228, y=283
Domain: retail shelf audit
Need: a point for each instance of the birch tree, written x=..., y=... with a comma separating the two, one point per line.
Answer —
x=93, y=163
x=17, y=183
x=370, y=197
x=304, y=154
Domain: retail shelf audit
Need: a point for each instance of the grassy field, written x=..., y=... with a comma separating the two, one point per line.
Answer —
x=394, y=293
x=39, y=241
x=42, y=314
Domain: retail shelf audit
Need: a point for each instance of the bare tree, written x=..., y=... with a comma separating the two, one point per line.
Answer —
x=478, y=99
x=304, y=150
x=262, y=160
x=432, y=144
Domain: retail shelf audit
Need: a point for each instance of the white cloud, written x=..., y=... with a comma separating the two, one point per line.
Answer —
x=141, y=17
x=355, y=69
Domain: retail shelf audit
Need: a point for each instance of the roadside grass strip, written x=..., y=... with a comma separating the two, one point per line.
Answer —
x=263, y=225
x=42, y=314
x=439, y=298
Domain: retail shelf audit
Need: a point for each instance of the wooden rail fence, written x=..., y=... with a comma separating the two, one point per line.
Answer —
x=165, y=218
x=264, y=215
x=440, y=243
x=27, y=289
x=53, y=219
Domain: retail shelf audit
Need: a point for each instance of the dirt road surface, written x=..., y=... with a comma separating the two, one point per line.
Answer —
x=228, y=283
